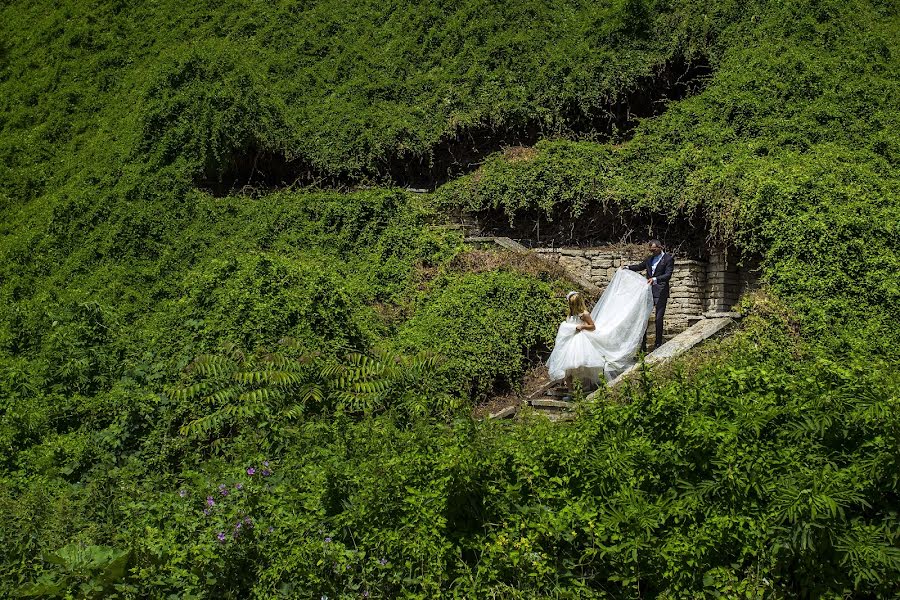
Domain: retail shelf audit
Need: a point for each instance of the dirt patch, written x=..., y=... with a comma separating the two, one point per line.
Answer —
x=478, y=261
x=514, y=154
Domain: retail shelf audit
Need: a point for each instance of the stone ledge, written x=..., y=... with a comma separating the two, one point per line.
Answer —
x=505, y=413
x=510, y=244
x=548, y=403
x=559, y=416
x=712, y=314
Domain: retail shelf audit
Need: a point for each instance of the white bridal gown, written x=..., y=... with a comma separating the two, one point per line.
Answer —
x=620, y=317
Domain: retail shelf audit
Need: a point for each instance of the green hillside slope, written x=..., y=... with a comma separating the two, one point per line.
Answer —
x=238, y=360
x=344, y=89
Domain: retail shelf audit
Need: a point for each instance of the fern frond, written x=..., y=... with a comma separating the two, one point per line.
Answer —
x=222, y=396
x=311, y=392
x=203, y=425
x=210, y=365
x=284, y=378
x=259, y=395
x=293, y=412
x=189, y=392
x=333, y=370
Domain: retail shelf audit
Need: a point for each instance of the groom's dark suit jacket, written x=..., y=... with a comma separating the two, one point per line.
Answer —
x=663, y=274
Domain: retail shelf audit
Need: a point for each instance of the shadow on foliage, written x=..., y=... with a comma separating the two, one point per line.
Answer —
x=253, y=169
x=687, y=237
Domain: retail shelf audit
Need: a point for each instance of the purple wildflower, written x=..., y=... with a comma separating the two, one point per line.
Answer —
x=328, y=540
x=238, y=526
x=210, y=501
x=248, y=521
x=206, y=511
x=251, y=471
x=223, y=490
x=266, y=472
x=271, y=529
x=265, y=463
x=365, y=593
x=383, y=561
x=221, y=536
x=239, y=486
x=182, y=492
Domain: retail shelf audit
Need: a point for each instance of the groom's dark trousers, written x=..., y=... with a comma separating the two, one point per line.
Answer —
x=663, y=273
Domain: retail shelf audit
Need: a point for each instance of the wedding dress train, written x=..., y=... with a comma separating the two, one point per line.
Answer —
x=620, y=317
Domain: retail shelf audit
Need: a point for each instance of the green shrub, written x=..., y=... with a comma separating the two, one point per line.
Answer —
x=488, y=327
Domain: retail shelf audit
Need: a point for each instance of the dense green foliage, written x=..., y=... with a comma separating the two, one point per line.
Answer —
x=342, y=86
x=737, y=477
x=355, y=293
x=300, y=364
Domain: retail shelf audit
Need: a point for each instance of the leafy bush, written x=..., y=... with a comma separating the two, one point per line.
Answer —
x=488, y=327
x=344, y=88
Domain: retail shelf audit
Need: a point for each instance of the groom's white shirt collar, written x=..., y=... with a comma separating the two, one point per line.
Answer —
x=654, y=261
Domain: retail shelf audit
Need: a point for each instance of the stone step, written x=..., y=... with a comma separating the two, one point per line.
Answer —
x=544, y=389
x=722, y=315
x=510, y=244
x=506, y=413
x=559, y=416
x=555, y=410
x=550, y=403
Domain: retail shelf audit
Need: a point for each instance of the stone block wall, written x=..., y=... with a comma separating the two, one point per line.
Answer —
x=687, y=294
x=696, y=286
x=723, y=283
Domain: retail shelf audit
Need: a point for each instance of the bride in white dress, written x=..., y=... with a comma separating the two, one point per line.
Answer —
x=606, y=338
x=576, y=352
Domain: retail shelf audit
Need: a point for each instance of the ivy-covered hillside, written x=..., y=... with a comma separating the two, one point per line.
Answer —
x=238, y=359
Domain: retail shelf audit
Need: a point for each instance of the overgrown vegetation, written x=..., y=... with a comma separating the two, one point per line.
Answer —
x=267, y=394
x=790, y=152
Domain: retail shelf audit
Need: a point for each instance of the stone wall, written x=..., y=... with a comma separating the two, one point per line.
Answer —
x=697, y=286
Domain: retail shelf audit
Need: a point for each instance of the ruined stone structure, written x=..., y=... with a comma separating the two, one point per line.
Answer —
x=713, y=285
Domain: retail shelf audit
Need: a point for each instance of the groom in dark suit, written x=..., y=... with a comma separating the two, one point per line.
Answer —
x=659, y=266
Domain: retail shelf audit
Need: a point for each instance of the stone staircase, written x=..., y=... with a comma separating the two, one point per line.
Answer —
x=555, y=404
x=550, y=399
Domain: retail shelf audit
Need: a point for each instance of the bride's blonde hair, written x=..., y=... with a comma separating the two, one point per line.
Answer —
x=576, y=304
